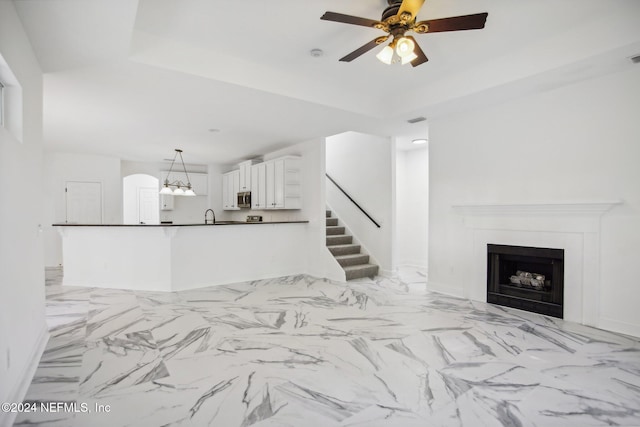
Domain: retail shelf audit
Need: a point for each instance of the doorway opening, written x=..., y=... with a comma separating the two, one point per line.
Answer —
x=140, y=199
x=388, y=178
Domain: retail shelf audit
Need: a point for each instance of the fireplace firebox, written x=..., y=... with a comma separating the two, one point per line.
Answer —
x=526, y=278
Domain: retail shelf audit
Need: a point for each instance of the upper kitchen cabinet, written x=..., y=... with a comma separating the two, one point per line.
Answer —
x=199, y=181
x=245, y=175
x=278, y=187
x=230, y=189
x=259, y=186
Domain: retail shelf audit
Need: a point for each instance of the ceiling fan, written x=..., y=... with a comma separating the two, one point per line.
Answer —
x=399, y=18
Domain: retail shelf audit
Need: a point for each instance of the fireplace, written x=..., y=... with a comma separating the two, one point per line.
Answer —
x=526, y=278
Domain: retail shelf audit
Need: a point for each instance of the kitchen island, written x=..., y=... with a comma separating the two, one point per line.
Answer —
x=171, y=257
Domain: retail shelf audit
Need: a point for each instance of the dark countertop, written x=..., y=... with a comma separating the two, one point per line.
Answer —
x=181, y=225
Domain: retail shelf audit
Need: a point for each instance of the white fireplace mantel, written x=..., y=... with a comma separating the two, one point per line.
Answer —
x=597, y=208
x=572, y=226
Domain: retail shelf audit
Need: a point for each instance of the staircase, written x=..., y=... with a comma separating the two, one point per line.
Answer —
x=354, y=263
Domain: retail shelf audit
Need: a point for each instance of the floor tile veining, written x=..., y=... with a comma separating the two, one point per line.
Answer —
x=298, y=351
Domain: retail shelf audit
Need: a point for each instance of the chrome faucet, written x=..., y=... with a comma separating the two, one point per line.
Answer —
x=213, y=215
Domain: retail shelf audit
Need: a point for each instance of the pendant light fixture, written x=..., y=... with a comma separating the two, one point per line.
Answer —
x=181, y=189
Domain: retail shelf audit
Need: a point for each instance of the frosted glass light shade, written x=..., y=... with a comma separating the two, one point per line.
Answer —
x=408, y=58
x=178, y=192
x=166, y=190
x=189, y=192
x=386, y=55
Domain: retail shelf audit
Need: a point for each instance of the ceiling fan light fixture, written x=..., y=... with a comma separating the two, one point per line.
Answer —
x=386, y=55
x=399, y=18
x=404, y=47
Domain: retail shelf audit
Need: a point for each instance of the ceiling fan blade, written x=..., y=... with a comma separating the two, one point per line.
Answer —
x=364, y=49
x=348, y=19
x=411, y=6
x=455, y=23
x=422, y=58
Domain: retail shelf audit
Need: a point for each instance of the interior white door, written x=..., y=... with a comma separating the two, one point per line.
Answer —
x=148, y=205
x=84, y=202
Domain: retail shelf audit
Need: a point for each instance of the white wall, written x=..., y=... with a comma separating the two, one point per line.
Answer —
x=579, y=142
x=363, y=165
x=60, y=168
x=23, y=331
x=412, y=209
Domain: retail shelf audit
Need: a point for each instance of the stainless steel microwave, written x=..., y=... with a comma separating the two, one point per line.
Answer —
x=244, y=199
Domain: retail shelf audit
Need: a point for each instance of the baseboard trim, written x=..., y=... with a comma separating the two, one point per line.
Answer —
x=445, y=289
x=19, y=391
x=619, y=327
x=420, y=268
x=415, y=265
x=386, y=273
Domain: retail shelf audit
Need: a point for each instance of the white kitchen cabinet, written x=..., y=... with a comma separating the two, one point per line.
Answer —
x=230, y=188
x=278, y=184
x=245, y=175
x=269, y=185
x=236, y=187
x=166, y=202
x=225, y=191
x=281, y=187
x=259, y=186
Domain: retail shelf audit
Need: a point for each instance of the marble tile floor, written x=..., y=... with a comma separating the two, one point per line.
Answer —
x=299, y=351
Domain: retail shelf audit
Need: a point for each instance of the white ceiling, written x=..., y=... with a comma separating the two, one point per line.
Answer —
x=137, y=78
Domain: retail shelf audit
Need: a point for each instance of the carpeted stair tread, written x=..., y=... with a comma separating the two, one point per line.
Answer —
x=333, y=230
x=344, y=249
x=352, y=259
x=341, y=239
x=360, y=271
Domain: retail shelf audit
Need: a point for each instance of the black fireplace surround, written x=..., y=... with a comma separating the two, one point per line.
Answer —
x=508, y=265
